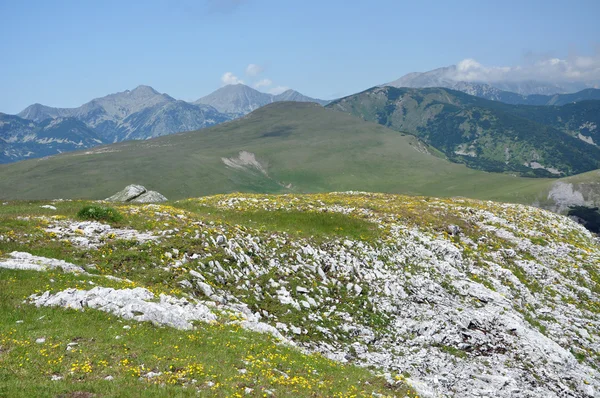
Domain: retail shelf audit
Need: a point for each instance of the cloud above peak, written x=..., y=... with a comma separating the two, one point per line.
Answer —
x=578, y=68
x=230, y=78
x=263, y=83
x=254, y=70
x=252, y=73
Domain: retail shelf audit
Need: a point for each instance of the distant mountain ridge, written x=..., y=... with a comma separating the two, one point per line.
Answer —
x=527, y=92
x=22, y=139
x=140, y=114
x=239, y=99
x=488, y=135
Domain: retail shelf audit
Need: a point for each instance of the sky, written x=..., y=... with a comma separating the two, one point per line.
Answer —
x=64, y=53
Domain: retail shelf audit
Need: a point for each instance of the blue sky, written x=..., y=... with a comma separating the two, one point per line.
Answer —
x=64, y=53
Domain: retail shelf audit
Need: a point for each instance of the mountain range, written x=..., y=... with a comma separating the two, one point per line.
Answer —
x=528, y=92
x=137, y=114
x=478, y=125
x=488, y=135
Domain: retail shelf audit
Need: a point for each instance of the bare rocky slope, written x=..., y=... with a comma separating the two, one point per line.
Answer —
x=464, y=298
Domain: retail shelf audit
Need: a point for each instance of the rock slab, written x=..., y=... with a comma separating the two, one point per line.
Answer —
x=136, y=194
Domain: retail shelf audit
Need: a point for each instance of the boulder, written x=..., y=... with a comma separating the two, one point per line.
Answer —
x=137, y=194
x=149, y=197
x=129, y=193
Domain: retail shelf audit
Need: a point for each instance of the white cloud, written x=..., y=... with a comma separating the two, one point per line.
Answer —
x=573, y=69
x=263, y=83
x=230, y=78
x=278, y=90
x=254, y=70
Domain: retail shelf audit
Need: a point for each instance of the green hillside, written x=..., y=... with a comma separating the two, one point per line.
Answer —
x=311, y=148
x=483, y=134
x=579, y=119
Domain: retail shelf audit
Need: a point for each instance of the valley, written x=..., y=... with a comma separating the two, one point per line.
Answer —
x=290, y=147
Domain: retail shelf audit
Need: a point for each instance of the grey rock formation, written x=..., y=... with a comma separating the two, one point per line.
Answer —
x=150, y=197
x=133, y=304
x=136, y=194
x=27, y=261
x=129, y=193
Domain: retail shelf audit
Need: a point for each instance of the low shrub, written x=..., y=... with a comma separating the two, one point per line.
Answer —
x=99, y=213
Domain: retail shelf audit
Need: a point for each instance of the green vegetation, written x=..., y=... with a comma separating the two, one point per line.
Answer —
x=214, y=355
x=486, y=135
x=99, y=213
x=453, y=351
x=82, y=349
x=319, y=225
x=314, y=150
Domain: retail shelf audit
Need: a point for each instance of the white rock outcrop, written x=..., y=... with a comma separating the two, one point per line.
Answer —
x=133, y=304
x=27, y=261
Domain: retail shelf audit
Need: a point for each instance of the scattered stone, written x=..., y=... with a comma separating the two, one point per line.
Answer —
x=41, y=340
x=48, y=207
x=295, y=330
x=93, y=234
x=502, y=313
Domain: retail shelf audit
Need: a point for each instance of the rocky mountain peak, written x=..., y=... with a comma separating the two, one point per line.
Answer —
x=143, y=90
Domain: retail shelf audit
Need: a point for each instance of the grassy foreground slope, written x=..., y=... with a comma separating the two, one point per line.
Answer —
x=289, y=147
x=56, y=352
x=431, y=291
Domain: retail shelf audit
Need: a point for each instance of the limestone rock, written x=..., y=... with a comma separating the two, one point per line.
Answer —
x=128, y=194
x=27, y=261
x=133, y=304
x=149, y=197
